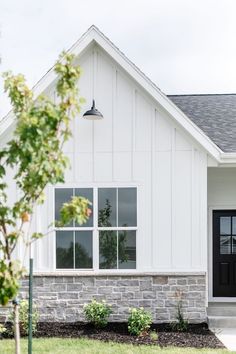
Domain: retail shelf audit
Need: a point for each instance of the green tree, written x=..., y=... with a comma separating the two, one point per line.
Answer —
x=36, y=155
x=108, y=241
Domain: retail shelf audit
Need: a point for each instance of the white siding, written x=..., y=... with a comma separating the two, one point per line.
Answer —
x=137, y=144
x=221, y=187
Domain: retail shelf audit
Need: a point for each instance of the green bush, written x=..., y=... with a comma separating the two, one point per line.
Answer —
x=23, y=317
x=139, y=321
x=97, y=313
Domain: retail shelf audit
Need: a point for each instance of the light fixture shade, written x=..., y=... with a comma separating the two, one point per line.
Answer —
x=93, y=113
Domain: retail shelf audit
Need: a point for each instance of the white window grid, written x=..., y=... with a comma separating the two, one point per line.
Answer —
x=96, y=229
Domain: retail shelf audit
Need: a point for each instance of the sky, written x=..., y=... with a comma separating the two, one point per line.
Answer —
x=184, y=46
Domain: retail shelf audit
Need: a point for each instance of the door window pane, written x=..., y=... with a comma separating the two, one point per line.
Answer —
x=62, y=195
x=127, y=249
x=225, y=245
x=108, y=249
x=64, y=249
x=234, y=225
x=225, y=225
x=83, y=249
x=127, y=207
x=234, y=244
x=107, y=207
x=88, y=194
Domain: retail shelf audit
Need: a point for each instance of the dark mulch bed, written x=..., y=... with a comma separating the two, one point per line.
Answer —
x=197, y=336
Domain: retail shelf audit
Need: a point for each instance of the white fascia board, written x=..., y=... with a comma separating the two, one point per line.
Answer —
x=93, y=34
x=228, y=159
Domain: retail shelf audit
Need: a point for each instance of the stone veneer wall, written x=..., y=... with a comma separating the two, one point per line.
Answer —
x=61, y=297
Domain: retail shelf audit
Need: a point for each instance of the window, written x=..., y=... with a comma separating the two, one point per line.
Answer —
x=74, y=243
x=117, y=223
x=227, y=235
x=115, y=230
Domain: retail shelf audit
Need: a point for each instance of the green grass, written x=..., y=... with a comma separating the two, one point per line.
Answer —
x=85, y=346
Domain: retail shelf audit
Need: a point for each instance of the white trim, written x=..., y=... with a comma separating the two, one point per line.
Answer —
x=119, y=272
x=211, y=298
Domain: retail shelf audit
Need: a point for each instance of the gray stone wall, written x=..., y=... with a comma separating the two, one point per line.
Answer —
x=61, y=298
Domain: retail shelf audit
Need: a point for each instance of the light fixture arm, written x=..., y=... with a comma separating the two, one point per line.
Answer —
x=93, y=105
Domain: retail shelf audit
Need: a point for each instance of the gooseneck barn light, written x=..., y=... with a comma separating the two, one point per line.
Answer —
x=93, y=113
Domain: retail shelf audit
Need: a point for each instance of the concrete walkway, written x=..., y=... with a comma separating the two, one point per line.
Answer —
x=227, y=336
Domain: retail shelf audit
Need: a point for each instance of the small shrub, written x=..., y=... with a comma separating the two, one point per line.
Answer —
x=139, y=321
x=153, y=335
x=181, y=324
x=97, y=313
x=23, y=317
x=2, y=329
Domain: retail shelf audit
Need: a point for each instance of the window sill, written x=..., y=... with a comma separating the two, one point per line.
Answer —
x=128, y=272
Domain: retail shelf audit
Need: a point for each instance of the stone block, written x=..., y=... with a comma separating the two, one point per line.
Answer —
x=127, y=296
x=66, y=295
x=74, y=287
x=192, y=280
x=49, y=280
x=145, y=285
x=196, y=288
x=145, y=303
x=128, y=282
x=104, y=290
x=160, y=280
x=149, y=295
x=58, y=287
x=87, y=281
x=99, y=282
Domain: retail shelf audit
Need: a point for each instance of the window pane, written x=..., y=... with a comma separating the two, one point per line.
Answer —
x=225, y=245
x=127, y=249
x=83, y=249
x=108, y=249
x=127, y=207
x=107, y=207
x=88, y=194
x=62, y=195
x=234, y=225
x=225, y=225
x=64, y=249
x=234, y=244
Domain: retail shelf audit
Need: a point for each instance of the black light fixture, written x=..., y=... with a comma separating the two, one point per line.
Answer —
x=93, y=113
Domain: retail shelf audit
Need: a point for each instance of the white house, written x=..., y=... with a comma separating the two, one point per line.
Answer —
x=160, y=172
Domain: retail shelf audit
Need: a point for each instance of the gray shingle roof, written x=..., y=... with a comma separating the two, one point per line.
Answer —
x=214, y=114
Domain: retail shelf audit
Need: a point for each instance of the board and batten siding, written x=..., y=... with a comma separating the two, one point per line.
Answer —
x=136, y=144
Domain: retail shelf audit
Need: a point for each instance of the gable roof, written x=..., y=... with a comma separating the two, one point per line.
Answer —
x=95, y=35
x=215, y=114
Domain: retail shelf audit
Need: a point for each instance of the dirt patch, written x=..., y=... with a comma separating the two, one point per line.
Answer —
x=197, y=336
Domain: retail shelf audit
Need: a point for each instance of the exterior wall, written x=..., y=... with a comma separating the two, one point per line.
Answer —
x=61, y=298
x=137, y=144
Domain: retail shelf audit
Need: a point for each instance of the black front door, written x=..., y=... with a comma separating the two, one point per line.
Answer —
x=224, y=253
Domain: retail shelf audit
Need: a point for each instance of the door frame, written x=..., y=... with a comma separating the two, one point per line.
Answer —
x=211, y=298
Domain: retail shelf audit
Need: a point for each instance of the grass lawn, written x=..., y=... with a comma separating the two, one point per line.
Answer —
x=75, y=346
